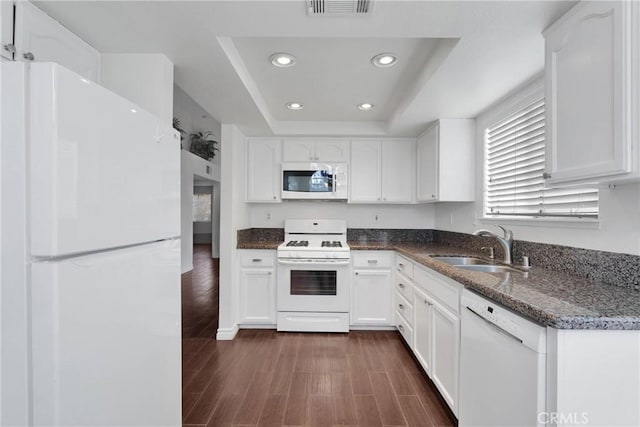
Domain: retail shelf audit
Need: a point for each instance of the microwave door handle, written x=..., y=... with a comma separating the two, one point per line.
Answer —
x=333, y=181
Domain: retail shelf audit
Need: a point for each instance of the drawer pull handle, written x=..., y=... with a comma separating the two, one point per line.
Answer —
x=372, y=261
x=401, y=328
x=256, y=260
x=401, y=306
x=401, y=266
x=401, y=285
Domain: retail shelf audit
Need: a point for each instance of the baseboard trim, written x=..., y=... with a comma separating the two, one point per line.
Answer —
x=187, y=269
x=227, y=334
x=372, y=328
x=257, y=326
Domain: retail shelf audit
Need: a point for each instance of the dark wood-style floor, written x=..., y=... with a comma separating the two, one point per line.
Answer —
x=266, y=378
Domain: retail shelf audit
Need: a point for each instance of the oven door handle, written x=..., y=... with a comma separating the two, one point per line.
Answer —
x=315, y=262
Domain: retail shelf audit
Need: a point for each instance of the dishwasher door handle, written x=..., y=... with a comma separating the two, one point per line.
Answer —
x=498, y=328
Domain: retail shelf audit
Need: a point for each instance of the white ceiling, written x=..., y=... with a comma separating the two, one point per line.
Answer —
x=333, y=75
x=456, y=58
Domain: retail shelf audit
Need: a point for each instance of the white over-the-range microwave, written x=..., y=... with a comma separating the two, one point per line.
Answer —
x=314, y=181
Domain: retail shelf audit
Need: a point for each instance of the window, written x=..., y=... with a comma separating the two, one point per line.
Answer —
x=202, y=207
x=515, y=161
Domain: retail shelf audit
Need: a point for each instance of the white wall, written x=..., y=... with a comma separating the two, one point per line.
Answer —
x=618, y=228
x=186, y=214
x=234, y=215
x=272, y=215
x=194, y=118
x=144, y=79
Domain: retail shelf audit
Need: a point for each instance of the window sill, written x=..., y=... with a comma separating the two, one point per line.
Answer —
x=585, y=223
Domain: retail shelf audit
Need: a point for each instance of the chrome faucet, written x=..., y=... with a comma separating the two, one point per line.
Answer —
x=506, y=241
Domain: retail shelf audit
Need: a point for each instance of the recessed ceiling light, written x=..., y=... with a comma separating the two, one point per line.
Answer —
x=294, y=106
x=282, y=60
x=384, y=60
x=365, y=106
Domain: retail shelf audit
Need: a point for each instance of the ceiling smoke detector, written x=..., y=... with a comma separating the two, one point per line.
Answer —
x=339, y=7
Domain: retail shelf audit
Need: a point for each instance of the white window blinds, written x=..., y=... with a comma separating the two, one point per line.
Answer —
x=515, y=161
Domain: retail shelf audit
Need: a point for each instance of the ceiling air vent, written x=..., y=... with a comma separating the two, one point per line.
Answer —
x=340, y=7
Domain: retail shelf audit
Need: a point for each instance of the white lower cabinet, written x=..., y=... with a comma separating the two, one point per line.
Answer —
x=371, y=289
x=445, y=354
x=422, y=322
x=436, y=323
x=257, y=288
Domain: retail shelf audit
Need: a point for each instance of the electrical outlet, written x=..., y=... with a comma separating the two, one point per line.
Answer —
x=268, y=216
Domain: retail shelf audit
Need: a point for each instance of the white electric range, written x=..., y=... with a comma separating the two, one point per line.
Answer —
x=313, y=277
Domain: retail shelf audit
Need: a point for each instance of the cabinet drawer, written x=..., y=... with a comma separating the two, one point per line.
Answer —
x=404, y=286
x=370, y=259
x=257, y=259
x=440, y=287
x=405, y=308
x=404, y=266
x=405, y=329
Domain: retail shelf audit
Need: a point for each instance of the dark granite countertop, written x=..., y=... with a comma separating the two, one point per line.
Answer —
x=256, y=244
x=552, y=298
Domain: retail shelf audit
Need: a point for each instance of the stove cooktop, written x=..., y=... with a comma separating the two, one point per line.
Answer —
x=297, y=243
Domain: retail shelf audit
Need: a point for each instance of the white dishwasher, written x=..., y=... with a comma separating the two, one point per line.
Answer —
x=502, y=366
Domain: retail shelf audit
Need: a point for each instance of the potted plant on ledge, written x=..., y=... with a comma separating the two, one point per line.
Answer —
x=203, y=145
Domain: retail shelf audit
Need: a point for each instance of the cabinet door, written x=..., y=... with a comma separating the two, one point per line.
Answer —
x=397, y=170
x=257, y=296
x=332, y=150
x=6, y=28
x=445, y=337
x=38, y=34
x=427, y=165
x=366, y=176
x=422, y=324
x=587, y=93
x=298, y=150
x=371, y=298
x=263, y=170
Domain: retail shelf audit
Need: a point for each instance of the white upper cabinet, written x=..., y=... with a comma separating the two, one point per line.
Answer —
x=315, y=150
x=427, y=165
x=397, y=170
x=591, y=74
x=40, y=38
x=382, y=171
x=6, y=29
x=445, y=162
x=263, y=170
x=365, y=183
x=294, y=150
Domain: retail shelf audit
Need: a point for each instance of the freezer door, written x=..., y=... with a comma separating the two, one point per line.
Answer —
x=104, y=173
x=106, y=338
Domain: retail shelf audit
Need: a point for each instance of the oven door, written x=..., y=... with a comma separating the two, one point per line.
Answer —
x=313, y=285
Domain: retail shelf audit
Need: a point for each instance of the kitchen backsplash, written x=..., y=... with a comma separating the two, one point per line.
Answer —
x=388, y=235
x=260, y=235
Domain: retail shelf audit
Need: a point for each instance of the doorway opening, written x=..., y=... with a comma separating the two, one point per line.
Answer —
x=200, y=284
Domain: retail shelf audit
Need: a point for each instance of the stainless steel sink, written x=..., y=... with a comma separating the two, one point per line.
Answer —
x=489, y=268
x=461, y=260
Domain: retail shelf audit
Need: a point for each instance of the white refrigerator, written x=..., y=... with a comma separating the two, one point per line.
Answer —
x=90, y=255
